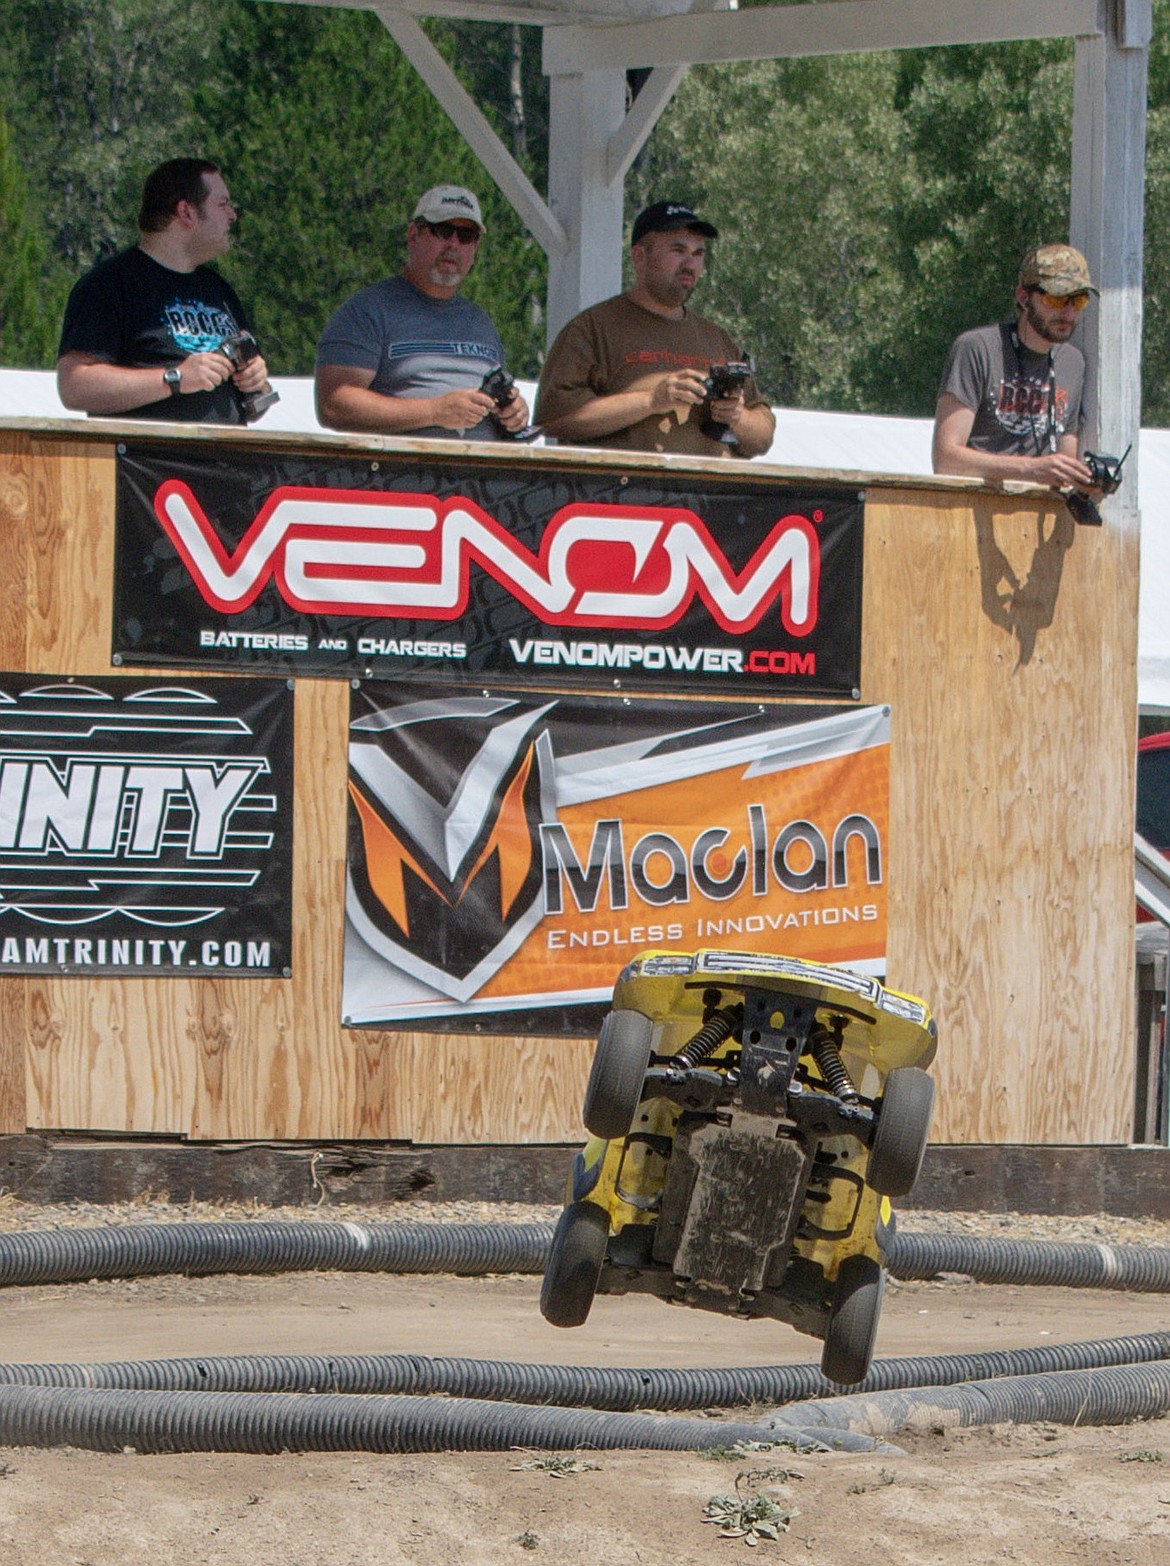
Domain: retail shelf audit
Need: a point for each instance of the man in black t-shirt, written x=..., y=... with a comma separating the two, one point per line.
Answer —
x=1012, y=400
x=142, y=331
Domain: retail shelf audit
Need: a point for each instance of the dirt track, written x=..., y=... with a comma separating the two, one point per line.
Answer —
x=1030, y=1494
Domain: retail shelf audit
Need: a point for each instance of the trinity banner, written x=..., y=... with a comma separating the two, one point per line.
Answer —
x=508, y=853
x=145, y=826
x=478, y=568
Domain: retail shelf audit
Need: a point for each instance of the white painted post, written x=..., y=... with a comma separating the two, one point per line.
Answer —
x=1106, y=223
x=585, y=113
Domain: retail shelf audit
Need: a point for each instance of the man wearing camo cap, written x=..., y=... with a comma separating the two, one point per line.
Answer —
x=1012, y=403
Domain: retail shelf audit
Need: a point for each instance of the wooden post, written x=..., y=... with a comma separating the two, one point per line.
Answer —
x=585, y=113
x=1108, y=177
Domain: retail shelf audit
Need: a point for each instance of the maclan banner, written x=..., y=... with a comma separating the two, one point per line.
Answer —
x=509, y=852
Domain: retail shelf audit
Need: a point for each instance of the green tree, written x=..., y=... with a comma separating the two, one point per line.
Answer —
x=989, y=148
x=99, y=92
x=1156, y=300
x=327, y=137
x=799, y=164
x=31, y=289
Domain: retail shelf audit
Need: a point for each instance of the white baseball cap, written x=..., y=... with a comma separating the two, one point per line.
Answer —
x=447, y=204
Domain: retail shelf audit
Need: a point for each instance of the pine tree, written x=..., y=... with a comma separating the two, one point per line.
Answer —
x=31, y=295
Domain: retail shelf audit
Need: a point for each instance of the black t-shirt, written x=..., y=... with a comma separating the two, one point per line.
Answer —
x=132, y=310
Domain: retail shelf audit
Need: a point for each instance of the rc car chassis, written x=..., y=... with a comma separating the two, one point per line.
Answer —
x=749, y=1117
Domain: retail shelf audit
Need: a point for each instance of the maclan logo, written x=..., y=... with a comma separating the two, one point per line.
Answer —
x=643, y=868
x=409, y=556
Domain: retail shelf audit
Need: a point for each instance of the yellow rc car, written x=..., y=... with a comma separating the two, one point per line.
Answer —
x=750, y=1116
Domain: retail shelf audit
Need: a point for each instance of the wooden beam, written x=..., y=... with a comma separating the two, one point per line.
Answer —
x=453, y=97
x=645, y=112
x=586, y=115
x=1105, y=222
x=837, y=27
x=603, y=12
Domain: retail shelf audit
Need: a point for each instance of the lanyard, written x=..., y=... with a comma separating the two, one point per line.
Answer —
x=1050, y=431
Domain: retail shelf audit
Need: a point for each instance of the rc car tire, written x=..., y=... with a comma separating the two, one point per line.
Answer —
x=853, y=1321
x=574, y=1264
x=903, y=1127
x=619, y=1067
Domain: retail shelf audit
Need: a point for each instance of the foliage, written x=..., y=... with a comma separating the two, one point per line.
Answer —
x=1156, y=296
x=99, y=92
x=327, y=137
x=804, y=266
x=870, y=206
x=31, y=292
x=892, y=196
x=556, y=1464
x=750, y=1518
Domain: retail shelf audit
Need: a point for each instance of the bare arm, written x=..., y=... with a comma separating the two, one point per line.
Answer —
x=753, y=427
x=345, y=402
x=87, y=384
x=953, y=422
x=680, y=389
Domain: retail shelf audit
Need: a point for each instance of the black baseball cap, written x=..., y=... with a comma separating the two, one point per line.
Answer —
x=664, y=216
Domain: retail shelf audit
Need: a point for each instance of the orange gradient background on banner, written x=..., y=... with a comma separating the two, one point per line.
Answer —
x=574, y=951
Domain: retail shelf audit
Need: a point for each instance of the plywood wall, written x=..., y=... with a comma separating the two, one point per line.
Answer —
x=1004, y=638
x=1005, y=642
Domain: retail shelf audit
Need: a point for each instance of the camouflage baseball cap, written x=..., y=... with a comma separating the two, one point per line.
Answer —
x=1056, y=269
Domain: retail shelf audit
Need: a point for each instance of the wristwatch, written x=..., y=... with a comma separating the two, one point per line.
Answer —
x=172, y=375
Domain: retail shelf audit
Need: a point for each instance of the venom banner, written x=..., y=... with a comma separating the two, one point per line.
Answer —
x=479, y=568
x=145, y=826
x=509, y=852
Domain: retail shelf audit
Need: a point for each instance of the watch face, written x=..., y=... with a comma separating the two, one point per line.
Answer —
x=172, y=377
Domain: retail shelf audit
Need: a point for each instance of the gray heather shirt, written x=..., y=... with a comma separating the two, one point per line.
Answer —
x=417, y=346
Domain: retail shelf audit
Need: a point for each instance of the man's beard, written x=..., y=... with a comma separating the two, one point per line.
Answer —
x=671, y=294
x=1050, y=331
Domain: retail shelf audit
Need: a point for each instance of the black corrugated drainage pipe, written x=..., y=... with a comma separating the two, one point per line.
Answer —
x=111, y=1421
x=139, y=1250
x=146, y=1249
x=219, y=1421
x=1066, y=1265
x=1108, y=1396
x=569, y=1386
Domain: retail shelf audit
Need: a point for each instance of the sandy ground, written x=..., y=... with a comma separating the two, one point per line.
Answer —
x=1042, y=1494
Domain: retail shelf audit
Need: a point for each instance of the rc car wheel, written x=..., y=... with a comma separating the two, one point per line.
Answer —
x=619, y=1066
x=853, y=1320
x=574, y=1264
x=903, y=1126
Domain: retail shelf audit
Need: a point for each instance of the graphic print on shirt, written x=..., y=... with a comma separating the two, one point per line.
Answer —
x=1022, y=408
x=443, y=350
x=198, y=327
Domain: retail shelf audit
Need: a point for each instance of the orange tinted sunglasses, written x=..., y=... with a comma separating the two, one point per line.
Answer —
x=1064, y=301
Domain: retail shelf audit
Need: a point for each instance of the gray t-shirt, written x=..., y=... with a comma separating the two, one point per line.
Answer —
x=417, y=346
x=1010, y=390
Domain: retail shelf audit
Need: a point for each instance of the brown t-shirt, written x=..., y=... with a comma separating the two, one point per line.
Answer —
x=613, y=346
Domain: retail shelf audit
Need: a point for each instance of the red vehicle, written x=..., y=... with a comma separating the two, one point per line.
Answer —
x=1153, y=796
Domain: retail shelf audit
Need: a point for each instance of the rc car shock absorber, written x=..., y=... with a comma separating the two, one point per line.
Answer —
x=717, y=1029
x=826, y=1052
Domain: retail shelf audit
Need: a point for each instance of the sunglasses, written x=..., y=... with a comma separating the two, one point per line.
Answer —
x=447, y=231
x=1064, y=301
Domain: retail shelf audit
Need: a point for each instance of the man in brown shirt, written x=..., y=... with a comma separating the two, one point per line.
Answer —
x=631, y=373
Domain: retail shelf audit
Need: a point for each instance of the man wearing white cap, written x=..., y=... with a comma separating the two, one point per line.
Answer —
x=408, y=355
x=1012, y=400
